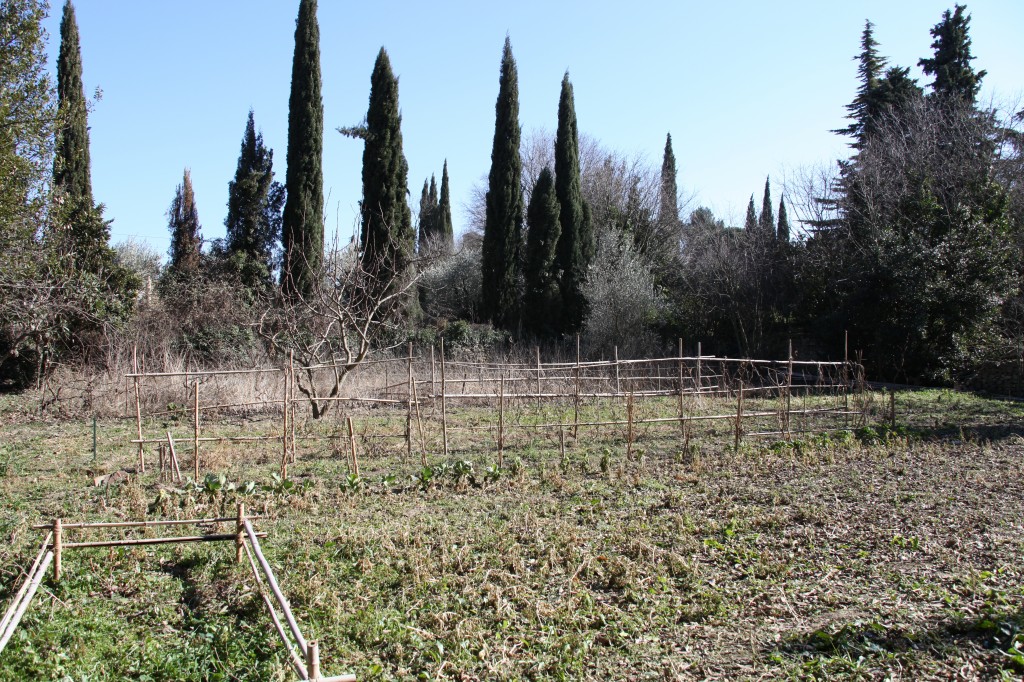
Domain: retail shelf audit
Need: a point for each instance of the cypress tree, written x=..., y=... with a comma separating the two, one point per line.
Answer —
x=504, y=202
x=951, y=63
x=766, y=221
x=183, y=222
x=303, y=227
x=254, y=208
x=542, y=301
x=425, y=217
x=784, y=230
x=669, y=208
x=445, y=229
x=576, y=243
x=388, y=237
x=750, y=224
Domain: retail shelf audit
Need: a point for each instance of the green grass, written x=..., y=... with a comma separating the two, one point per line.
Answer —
x=864, y=552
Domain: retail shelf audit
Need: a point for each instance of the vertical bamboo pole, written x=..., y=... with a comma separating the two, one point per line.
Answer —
x=629, y=425
x=195, y=438
x=138, y=408
x=846, y=375
x=313, y=660
x=576, y=398
x=536, y=350
x=58, y=543
x=618, y=383
x=739, y=416
x=789, y=393
x=419, y=423
x=444, y=407
x=699, y=382
x=284, y=428
x=352, y=444
x=682, y=424
x=501, y=421
x=408, y=415
x=291, y=405
x=433, y=374
x=240, y=533
x=892, y=407
x=160, y=460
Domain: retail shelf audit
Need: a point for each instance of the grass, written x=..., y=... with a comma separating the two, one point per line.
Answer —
x=870, y=552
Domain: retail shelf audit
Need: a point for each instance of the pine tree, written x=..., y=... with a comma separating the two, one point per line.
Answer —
x=951, y=63
x=766, y=221
x=668, y=212
x=253, y=222
x=576, y=244
x=504, y=220
x=388, y=237
x=750, y=224
x=865, y=106
x=541, y=300
x=445, y=229
x=303, y=227
x=186, y=240
x=784, y=230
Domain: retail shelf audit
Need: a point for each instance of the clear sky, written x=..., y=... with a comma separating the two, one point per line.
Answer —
x=747, y=88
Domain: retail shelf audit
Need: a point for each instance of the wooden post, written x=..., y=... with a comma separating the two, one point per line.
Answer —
x=699, y=382
x=444, y=407
x=433, y=374
x=618, y=382
x=561, y=441
x=501, y=421
x=408, y=416
x=284, y=427
x=629, y=425
x=352, y=444
x=58, y=543
x=138, y=408
x=291, y=405
x=576, y=397
x=682, y=424
x=739, y=416
x=196, y=436
x=313, y=660
x=240, y=537
x=536, y=350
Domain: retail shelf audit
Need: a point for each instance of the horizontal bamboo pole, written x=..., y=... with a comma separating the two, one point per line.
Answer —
x=296, y=661
x=220, y=537
x=28, y=578
x=33, y=585
x=143, y=524
x=212, y=439
x=197, y=373
x=269, y=575
x=257, y=403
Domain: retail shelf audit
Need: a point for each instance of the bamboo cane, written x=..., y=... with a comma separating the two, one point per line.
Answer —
x=501, y=422
x=576, y=398
x=284, y=427
x=618, y=384
x=313, y=660
x=291, y=406
x=25, y=585
x=352, y=445
x=297, y=663
x=269, y=575
x=739, y=416
x=240, y=533
x=142, y=524
x=682, y=424
x=444, y=406
x=700, y=383
x=196, y=435
x=536, y=350
x=629, y=425
x=433, y=373
x=33, y=585
x=419, y=425
x=219, y=537
x=138, y=410
x=408, y=414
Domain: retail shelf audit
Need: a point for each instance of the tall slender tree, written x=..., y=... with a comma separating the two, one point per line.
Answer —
x=445, y=229
x=504, y=203
x=303, y=227
x=541, y=300
x=784, y=230
x=951, y=63
x=576, y=243
x=388, y=238
x=183, y=223
x=750, y=223
x=425, y=218
x=253, y=223
x=766, y=221
x=668, y=212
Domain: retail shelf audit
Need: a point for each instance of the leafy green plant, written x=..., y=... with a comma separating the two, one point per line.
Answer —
x=352, y=483
x=424, y=478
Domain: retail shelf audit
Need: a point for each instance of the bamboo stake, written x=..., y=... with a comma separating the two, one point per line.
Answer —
x=618, y=384
x=138, y=411
x=174, y=458
x=739, y=416
x=291, y=405
x=58, y=543
x=444, y=407
x=142, y=524
x=25, y=585
x=561, y=442
x=295, y=660
x=33, y=585
x=313, y=660
x=699, y=382
x=352, y=444
x=408, y=414
x=433, y=373
x=536, y=350
x=892, y=407
x=789, y=392
x=284, y=428
x=576, y=399
x=240, y=533
x=196, y=436
x=682, y=424
x=419, y=424
x=220, y=537
x=629, y=425
x=269, y=575
x=501, y=422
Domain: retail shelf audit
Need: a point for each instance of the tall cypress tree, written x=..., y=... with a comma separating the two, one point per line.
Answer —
x=504, y=220
x=445, y=229
x=783, y=232
x=668, y=212
x=426, y=214
x=541, y=300
x=750, y=223
x=576, y=243
x=388, y=238
x=951, y=63
x=253, y=222
x=186, y=240
x=303, y=227
x=766, y=221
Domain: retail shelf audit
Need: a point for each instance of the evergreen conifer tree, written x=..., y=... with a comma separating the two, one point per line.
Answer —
x=303, y=227
x=445, y=229
x=668, y=212
x=504, y=218
x=783, y=233
x=951, y=63
x=766, y=221
x=424, y=219
x=388, y=237
x=253, y=223
x=750, y=223
x=576, y=243
x=541, y=300
x=186, y=240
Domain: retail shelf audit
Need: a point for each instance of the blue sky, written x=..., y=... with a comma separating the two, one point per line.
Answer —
x=747, y=89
